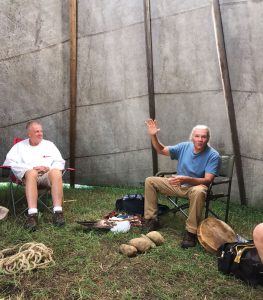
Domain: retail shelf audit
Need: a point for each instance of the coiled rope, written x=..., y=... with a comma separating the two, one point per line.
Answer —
x=26, y=257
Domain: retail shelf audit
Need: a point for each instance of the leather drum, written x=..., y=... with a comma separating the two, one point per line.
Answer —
x=212, y=233
x=3, y=212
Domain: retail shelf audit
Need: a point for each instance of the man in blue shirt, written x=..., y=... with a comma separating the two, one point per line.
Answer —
x=198, y=164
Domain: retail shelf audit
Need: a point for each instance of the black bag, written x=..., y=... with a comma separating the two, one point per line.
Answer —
x=242, y=261
x=133, y=204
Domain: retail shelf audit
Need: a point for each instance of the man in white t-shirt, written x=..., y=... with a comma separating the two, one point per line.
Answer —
x=38, y=163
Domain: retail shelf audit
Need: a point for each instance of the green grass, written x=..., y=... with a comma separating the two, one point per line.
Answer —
x=89, y=266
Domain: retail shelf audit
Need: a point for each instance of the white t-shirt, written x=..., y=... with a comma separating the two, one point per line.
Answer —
x=23, y=157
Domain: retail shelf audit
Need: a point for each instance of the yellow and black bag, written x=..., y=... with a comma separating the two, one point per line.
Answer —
x=242, y=261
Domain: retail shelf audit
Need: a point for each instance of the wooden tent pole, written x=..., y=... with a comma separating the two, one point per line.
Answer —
x=221, y=51
x=73, y=85
x=149, y=59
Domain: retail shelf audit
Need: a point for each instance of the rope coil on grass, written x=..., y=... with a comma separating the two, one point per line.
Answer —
x=25, y=258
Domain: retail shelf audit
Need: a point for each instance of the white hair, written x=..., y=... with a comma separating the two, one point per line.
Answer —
x=30, y=123
x=201, y=127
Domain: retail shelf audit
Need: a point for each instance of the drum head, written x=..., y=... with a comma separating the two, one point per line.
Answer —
x=212, y=233
x=3, y=212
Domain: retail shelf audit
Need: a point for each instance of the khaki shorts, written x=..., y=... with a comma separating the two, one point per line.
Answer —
x=42, y=181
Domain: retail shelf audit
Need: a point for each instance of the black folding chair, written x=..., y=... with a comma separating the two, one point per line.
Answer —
x=220, y=188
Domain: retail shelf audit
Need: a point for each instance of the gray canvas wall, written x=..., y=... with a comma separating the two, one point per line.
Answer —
x=112, y=93
x=112, y=147
x=34, y=69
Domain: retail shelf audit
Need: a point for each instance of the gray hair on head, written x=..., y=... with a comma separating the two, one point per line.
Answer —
x=29, y=123
x=201, y=127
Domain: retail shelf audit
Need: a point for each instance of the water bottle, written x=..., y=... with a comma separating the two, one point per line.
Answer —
x=241, y=239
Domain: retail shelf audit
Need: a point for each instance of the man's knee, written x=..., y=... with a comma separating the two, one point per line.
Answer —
x=55, y=176
x=30, y=174
x=199, y=190
x=153, y=183
x=55, y=173
x=148, y=181
x=197, y=195
x=152, y=180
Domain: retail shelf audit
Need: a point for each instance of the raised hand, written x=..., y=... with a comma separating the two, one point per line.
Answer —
x=152, y=127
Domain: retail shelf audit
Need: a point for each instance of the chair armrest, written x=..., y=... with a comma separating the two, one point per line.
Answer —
x=212, y=196
x=221, y=181
x=69, y=169
x=6, y=170
x=163, y=173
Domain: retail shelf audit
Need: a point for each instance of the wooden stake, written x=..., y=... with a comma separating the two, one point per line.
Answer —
x=220, y=45
x=73, y=85
x=149, y=58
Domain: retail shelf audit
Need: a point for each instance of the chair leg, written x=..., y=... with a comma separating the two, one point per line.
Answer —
x=44, y=195
x=208, y=210
x=12, y=197
x=207, y=202
x=227, y=208
x=178, y=207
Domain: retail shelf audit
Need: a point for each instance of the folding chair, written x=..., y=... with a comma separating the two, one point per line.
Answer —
x=224, y=181
x=15, y=198
x=14, y=185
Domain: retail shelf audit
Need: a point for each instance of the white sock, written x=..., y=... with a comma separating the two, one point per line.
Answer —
x=57, y=208
x=32, y=211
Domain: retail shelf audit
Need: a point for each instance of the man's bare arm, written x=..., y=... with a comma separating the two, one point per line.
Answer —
x=152, y=131
x=180, y=180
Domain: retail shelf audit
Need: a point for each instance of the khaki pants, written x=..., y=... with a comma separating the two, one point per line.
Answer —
x=195, y=194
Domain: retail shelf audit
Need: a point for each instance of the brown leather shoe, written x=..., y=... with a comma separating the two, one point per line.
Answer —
x=58, y=219
x=189, y=240
x=31, y=222
x=151, y=225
